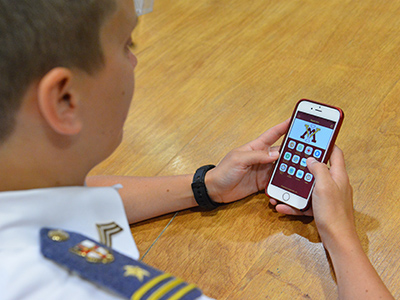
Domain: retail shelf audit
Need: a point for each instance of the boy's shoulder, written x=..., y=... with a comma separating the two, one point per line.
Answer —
x=97, y=213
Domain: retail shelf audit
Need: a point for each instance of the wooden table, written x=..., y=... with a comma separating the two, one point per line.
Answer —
x=213, y=75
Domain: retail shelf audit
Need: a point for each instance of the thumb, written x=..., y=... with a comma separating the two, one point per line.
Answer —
x=319, y=170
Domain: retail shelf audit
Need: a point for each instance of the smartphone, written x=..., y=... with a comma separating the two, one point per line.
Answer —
x=312, y=132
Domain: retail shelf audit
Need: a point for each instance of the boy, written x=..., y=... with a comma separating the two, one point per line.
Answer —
x=67, y=83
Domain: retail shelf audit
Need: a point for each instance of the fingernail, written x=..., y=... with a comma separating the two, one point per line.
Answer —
x=273, y=153
x=312, y=159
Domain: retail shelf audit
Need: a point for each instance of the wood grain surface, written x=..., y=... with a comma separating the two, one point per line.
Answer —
x=215, y=74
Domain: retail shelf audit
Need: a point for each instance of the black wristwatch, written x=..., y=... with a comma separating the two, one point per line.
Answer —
x=199, y=188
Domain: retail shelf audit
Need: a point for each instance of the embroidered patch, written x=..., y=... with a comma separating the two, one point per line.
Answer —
x=92, y=252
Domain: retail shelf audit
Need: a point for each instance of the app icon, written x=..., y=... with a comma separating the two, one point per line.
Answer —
x=296, y=159
x=283, y=167
x=291, y=171
x=300, y=147
x=317, y=153
x=303, y=162
x=308, y=150
x=292, y=144
x=287, y=156
x=299, y=174
x=308, y=177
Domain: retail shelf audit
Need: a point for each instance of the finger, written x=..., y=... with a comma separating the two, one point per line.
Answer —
x=337, y=162
x=274, y=133
x=250, y=158
x=285, y=209
x=269, y=137
x=275, y=148
x=273, y=201
x=319, y=170
x=288, y=210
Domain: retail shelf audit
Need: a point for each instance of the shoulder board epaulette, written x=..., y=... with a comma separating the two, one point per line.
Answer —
x=108, y=268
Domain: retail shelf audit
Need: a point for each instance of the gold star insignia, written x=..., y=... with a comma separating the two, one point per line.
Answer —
x=136, y=271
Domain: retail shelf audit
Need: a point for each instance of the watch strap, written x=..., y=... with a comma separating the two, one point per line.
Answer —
x=199, y=188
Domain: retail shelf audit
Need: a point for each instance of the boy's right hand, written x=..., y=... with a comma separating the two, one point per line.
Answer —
x=332, y=198
x=332, y=207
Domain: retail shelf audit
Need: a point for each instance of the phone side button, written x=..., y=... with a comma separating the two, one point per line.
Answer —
x=285, y=197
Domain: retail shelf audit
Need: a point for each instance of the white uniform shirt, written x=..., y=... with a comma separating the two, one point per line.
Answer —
x=24, y=272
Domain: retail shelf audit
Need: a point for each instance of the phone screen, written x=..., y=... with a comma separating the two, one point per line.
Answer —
x=309, y=136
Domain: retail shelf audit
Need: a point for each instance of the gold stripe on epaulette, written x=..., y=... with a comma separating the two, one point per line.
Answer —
x=148, y=286
x=165, y=289
x=179, y=294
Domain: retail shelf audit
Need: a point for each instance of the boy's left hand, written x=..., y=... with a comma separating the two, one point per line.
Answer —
x=245, y=170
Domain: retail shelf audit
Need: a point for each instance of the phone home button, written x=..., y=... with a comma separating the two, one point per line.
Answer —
x=286, y=197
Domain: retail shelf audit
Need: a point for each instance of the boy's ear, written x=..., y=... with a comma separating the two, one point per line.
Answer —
x=58, y=103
